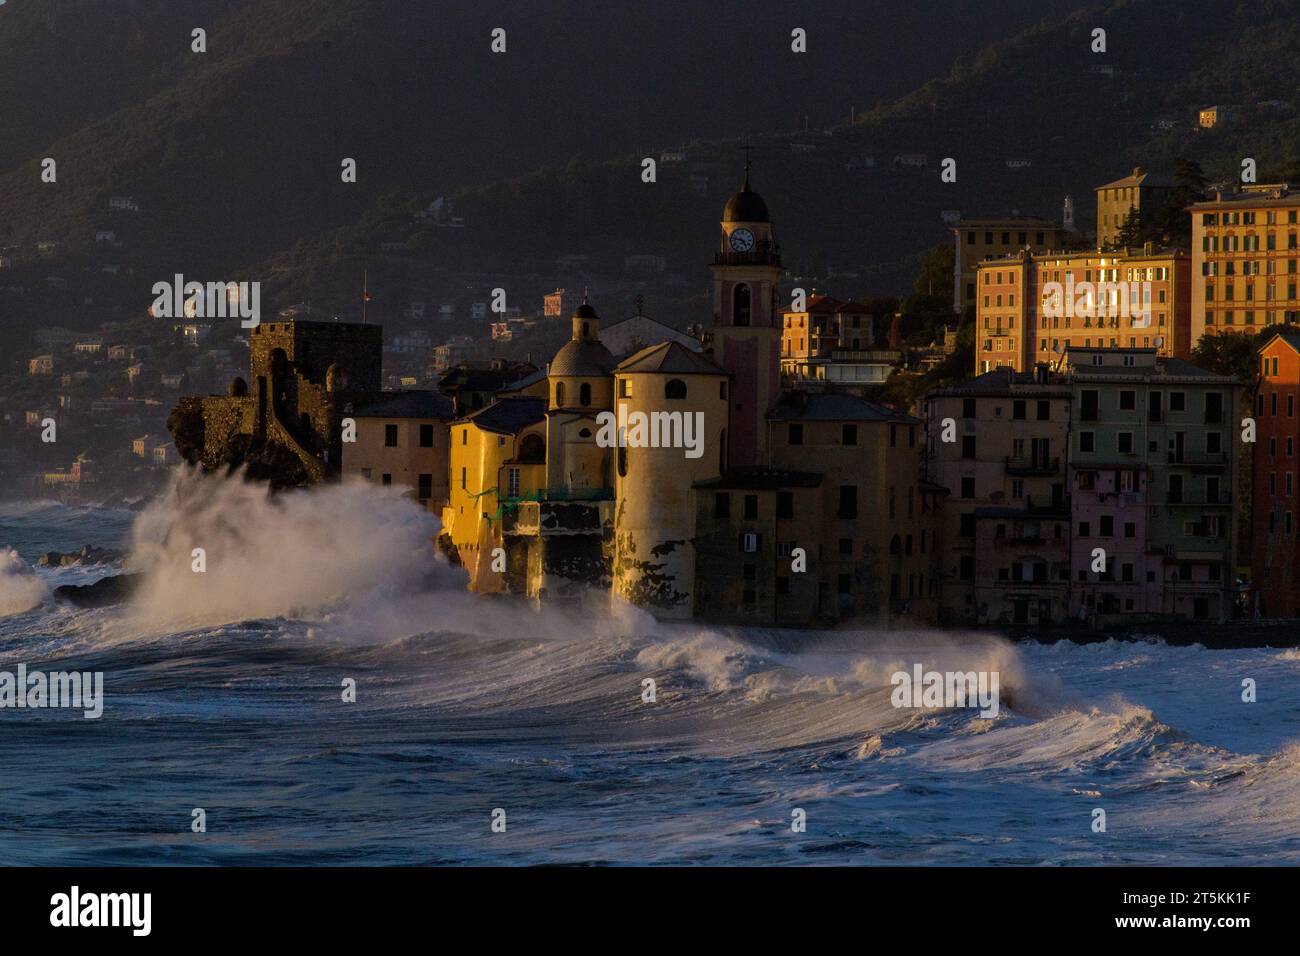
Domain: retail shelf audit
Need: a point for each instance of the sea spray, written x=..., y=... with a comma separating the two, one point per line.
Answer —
x=295, y=554
x=20, y=589
x=486, y=703
x=355, y=559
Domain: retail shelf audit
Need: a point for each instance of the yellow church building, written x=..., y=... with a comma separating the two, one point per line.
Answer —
x=675, y=480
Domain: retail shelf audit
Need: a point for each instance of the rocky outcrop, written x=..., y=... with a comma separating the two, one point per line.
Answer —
x=87, y=555
x=107, y=591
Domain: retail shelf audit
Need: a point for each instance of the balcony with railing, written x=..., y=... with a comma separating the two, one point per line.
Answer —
x=760, y=256
x=1187, y=457
x=1222, y=500
x=553, y=511
x=880, y=356
x=1020, y=465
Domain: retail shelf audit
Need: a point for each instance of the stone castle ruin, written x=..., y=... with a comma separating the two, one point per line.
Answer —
x=284, y=423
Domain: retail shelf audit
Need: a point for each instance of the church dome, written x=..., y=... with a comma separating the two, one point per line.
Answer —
x=585, y=357
x=745, y=206
x=584, y=354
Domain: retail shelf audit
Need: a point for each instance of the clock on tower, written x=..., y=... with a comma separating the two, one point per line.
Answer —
x=747, y=320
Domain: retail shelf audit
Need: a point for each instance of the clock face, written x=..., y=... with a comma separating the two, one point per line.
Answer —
x=742, y=240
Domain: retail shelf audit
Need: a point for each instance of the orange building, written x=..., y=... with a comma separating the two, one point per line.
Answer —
x=826, y=325
x=1244, y=260
x=1031, y=308
x=1276, y=558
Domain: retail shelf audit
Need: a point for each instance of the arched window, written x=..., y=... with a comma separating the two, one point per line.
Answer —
x=895, y=545
x=559, y=393
x=584, y=394
x=740, y=307
x=722, y=452
x=532, y=449
x=674, y=388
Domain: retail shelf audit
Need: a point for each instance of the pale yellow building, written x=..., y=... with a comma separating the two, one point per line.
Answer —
x=1245, y=252
x=877, y=554
x=682, y=399
x=1139, y=192
x=403, y=440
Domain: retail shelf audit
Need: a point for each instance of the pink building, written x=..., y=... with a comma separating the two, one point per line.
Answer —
x=1109, y=512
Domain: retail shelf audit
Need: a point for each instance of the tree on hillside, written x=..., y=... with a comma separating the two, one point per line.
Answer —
x=903, y=390
x=1225, y=354
x=1235, y=354
x=935, y=277
x=924, y=316
x=1131, y=231
x=1172, y=223
x=1288, y=172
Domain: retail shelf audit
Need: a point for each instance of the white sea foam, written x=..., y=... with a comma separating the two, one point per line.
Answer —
x=20, y=588
x=343, y=580
x=298, y=554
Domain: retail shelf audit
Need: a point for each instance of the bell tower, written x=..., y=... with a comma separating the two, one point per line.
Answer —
x=747, y=321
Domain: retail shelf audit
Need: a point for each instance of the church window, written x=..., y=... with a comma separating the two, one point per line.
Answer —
x=532, y=449
x=674, y=388
x=584, y=394
x=741, y=307
x=559, y=393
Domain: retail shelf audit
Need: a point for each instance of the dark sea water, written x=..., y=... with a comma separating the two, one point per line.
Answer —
x=223, y=691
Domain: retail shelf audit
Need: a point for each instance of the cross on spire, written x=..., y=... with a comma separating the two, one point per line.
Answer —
x=748, y=161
